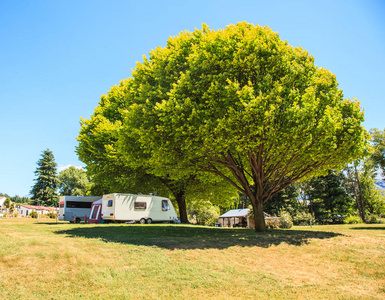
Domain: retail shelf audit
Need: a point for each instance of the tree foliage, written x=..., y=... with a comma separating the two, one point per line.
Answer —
x=287, y=199
x=378, y=142
x=7, y=203
x=353, y=187
x=373, y=200
x=74, y=182
x=44, y=190
x=329, y=198
x=18, y=199
x=98, y=149
x=244, y=105
x=116, y=162
x=205, y=212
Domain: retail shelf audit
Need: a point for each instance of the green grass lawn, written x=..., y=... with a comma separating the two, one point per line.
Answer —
x=46, y=260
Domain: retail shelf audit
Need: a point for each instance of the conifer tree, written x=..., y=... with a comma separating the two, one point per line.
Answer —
x=330, y=200
x=44, y=190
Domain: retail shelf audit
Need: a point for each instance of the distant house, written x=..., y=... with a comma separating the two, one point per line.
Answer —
x=25, y=210
x=2, y=199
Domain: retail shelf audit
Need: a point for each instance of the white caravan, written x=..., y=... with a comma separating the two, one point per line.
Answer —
x=75, y=208
x=137, y=208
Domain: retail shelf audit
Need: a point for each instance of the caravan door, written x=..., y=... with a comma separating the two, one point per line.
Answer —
x=96, y=208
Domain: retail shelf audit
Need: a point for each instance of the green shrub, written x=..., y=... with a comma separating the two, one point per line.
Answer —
x=351, y=219
x=51, y=215
x=372, y=219
x=285, y=220
x=207, y=215
x=303, y=218
x=272, y=223
x=33, y=214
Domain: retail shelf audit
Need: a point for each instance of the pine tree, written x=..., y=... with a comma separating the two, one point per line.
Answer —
x=44, y=190
x=287, y=200
x=329, y=198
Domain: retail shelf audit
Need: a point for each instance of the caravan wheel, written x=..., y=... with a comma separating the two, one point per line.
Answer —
x=142, y=221
x=149, y=221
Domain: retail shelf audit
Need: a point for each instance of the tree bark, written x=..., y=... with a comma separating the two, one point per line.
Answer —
x=178, y=189
x=181, y=200
x=259, y=217
x=360, y=202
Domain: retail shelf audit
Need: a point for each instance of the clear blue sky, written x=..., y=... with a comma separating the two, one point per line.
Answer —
x=58, y=57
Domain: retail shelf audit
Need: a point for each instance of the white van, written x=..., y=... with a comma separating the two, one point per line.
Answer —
x=75, y=208
x=137, y=208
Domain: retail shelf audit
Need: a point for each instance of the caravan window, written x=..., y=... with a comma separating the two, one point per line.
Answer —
x=78, y=204
x=140, y=205
x=109, y=203
x=165, y=206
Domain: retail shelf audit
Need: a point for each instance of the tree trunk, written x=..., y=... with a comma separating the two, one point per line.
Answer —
x=181, y=200
x=259, y=217
x=357, y=196
x=360, y=202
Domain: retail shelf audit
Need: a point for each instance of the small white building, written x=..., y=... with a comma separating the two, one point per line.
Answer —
x=239, y=218
x=235, y=218
x=2, y=199
x=25, y=210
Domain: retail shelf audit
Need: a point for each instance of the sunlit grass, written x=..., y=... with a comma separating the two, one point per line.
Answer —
x=119, y=261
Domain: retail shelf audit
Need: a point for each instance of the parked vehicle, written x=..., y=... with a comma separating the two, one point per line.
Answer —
x=137, y=208
x=96, y=212
x=75, y=208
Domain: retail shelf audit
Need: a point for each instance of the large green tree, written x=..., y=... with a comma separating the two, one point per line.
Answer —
x=44, y=190
x=244, y=105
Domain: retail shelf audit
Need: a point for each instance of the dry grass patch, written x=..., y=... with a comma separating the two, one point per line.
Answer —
x=70, y=261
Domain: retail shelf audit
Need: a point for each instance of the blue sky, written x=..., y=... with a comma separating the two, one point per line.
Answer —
x=58, y=57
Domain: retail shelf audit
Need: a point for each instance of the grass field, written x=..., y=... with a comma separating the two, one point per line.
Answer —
x=70, y=261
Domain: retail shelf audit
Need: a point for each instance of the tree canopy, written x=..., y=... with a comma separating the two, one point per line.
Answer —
x=74, y=182
x=244, y=105
x=285, y=200
x=378, y=142
x=98, y=149
x=116, y=162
